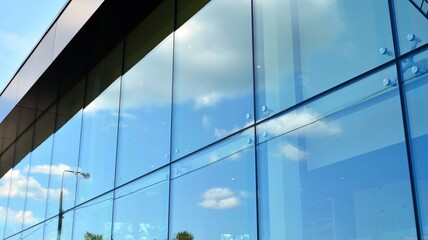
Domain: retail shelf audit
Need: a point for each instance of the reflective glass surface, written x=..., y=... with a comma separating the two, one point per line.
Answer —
x=412, y=25
x=38, y=180
x=6, y=162
x=93, y=219
x=337, y=167
x=16, y=216
x=213, y=86
x=51, y=227
x=65, y=152
x=416, y=86
x=305, y=47
x=220, y=204
x=34, y=233
x=145, y=108
x=141, y=208
x=98, y=144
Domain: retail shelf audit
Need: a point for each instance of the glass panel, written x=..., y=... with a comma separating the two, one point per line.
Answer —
x=220, y=204
x=145, y=110
x=213, y=88
x=305, y=47
x=412, y=26
x=16, y=215
x=33, y=233
x=65, y=152
x=38, y=180
x=38, y=172
x=6, y=161
x=150, y=196
x=93, y=219
x=337, y=169
x=98, y=144
x=51, y=228
x=417, y=96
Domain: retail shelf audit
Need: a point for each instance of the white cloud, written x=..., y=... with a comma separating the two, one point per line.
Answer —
x=23, y=186
x=292, y=152
x=304, y=120
x=221, y=198
x=18, y=217
x=220, y=132
x=206, y=121
x=52, y=169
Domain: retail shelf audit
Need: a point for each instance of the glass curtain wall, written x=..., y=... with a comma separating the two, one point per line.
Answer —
x=236, y=120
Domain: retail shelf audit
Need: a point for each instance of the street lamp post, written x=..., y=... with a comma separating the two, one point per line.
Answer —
x=60, y=213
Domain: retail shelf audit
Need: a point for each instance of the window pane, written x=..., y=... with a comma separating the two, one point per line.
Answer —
x=305, y=47
x=34, y=233
x=94, y=218
x=337, y=167
x=417, y=97
x=141, y=208
x=16, y=216
x=213, y=93
x=51, y=227
x=6, y=161
x=98, y=144
x=412, y=25
x=145, y=110
x=65, y=152
x=220, y=204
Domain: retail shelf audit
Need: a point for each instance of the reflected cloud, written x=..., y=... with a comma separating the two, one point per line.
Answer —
x=25, y=187
x=50, y=169
x=18, y=217
x=321, y=20
x=302, y=121
x=221, y=198
x=292, y=152
x=220, y=133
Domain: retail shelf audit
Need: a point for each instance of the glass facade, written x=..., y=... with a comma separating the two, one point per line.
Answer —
x=235, y=120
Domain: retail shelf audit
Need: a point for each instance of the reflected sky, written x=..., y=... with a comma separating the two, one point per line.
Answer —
x=317, y=46
x=22, y=23
x=221, y=201
x=213, y=75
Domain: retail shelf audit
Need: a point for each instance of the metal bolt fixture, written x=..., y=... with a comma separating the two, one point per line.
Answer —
x=264, y=134
x=248, y=116
x=249, y=140
x=410, y=36
x=415, y=69
x=264, y=108
x=383, y=51
x=387, y=82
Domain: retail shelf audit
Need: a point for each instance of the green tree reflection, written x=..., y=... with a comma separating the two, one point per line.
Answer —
x=184, y=235
x=93, y=236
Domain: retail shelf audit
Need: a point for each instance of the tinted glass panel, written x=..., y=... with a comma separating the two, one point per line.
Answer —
x=220, y=204
x=51, y=228
x=412, y=25
x=145, y=110
x=15, y=212
x=417, y=97
x=337, y=168
x=141, y=208
x=98, y=144
x=305, y=47
x=38, y=180
x=5, y=181
x=213, y=74
x=34, y=233
x=93, y=219
x=65, y=154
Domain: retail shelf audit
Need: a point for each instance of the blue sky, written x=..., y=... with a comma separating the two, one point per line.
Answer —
x=22, y=23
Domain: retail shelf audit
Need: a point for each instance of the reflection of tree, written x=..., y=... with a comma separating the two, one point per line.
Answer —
x=184, y=235
x=93, y=236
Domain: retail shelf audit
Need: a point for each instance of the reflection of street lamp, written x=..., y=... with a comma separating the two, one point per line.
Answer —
x=60, y=213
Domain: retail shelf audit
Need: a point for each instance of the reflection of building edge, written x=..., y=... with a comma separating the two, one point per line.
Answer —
x=328, y=165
